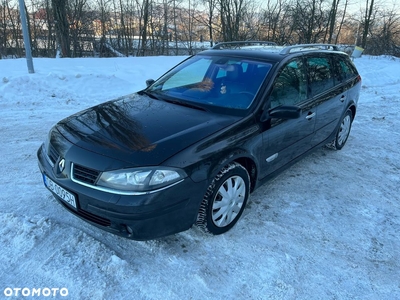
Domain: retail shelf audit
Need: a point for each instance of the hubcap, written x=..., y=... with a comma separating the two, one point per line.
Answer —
x=228, y=201
x=344, y=130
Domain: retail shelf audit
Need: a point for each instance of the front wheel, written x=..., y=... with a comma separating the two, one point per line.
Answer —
x=343, y=131
x=225, y=199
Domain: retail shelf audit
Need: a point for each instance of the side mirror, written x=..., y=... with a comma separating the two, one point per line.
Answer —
x=149, y=82
x=282, y=112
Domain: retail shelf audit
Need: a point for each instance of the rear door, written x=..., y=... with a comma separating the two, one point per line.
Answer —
x=285, y=140
x=327, y=92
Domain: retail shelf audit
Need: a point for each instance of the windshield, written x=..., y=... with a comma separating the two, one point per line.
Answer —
x=213, y=81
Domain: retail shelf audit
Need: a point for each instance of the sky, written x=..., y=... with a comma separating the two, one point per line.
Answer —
x=326, y=228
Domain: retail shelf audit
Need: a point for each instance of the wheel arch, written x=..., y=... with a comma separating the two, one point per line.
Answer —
x=243, y=158
x=251, y=168
x=353, y=109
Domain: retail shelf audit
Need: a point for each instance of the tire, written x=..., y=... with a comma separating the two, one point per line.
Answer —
x=225, y=200
x=343, y=132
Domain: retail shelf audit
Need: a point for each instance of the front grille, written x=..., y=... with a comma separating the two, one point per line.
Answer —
x=84, y=174
x=93, y=218
x=52, y=154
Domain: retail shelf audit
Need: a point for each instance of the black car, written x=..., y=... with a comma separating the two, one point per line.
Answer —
x=192, y=146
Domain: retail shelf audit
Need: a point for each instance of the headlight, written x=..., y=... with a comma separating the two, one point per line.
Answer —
x=141, y=179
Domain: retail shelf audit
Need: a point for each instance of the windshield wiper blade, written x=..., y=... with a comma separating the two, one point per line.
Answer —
x=147, y=93
x=173, y=101
x=186, y=104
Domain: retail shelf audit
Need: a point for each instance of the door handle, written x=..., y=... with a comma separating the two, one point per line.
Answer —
x=310, y=115
x=342, y=98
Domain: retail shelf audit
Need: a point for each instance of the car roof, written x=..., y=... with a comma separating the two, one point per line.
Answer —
x=267, y=50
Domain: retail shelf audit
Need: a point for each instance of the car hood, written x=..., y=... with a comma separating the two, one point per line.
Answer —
x=140, y=130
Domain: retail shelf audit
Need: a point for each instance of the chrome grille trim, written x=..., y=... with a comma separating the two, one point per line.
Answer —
x=52, y=154
x=84, y=174
x=47, y=156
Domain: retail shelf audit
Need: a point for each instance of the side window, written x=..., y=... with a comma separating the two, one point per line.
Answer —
x=347, y=69
x=290, y=86
x=337, y=71
x=320, y=73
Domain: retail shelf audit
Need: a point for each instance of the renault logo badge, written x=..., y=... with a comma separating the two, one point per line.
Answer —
x=61, y=165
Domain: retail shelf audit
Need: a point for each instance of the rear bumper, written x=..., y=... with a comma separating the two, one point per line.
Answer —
x=138, y=217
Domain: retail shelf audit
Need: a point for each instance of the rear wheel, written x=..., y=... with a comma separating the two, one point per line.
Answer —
x=343, y=132
x=225, y=199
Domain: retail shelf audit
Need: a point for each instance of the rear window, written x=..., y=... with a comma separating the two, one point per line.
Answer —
x=347, y=69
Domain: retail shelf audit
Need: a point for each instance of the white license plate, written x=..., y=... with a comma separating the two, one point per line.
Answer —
x=59, y=191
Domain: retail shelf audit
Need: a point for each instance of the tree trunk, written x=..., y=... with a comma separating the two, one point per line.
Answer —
x=367, y=23
x=62, y=26
x=146, y=7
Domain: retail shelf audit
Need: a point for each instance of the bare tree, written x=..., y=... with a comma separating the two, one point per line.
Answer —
x=332, y=20
x=369, y=7
x=3, y=35
x=271, y=17
x=148, y=27
x=51, y=43
x=174, y=13
x=13, y=33
x=210, y=11
x=385, y=38
x=78, y=19
x=310, y=19
x=144, y=8
x=231, y=14
x=104, y=7
x=251, y=23
x=342, y=20
x=187, y=18
x=61, y=26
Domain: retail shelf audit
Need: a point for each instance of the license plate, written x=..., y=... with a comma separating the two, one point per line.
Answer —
x=59, y=191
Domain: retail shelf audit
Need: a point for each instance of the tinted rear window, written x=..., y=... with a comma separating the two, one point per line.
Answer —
x=347, y=69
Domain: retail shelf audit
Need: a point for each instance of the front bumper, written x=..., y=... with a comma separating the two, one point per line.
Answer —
x=138, y=217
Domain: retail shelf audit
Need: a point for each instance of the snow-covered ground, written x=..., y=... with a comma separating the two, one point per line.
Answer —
x=326, y=228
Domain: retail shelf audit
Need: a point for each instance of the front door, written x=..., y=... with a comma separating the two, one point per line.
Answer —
x=285, y=140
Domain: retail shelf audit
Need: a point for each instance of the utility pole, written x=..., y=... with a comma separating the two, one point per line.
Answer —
x=25, y=33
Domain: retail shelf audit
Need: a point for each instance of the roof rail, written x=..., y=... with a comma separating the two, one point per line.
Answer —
x=240, y=44
x=302, y=47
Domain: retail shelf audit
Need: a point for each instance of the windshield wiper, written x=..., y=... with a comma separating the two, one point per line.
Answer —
x=186, y=104
x=173, y=101
x=147, y=93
